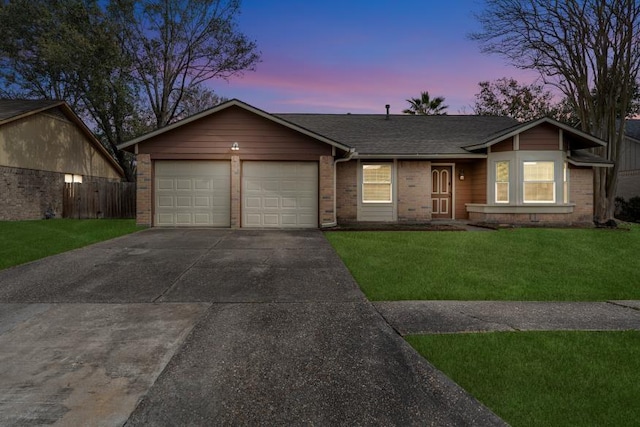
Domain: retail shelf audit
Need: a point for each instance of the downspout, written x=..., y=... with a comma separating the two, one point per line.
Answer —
x=350, y=154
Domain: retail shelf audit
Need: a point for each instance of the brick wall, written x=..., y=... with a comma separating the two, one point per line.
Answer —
x=347, y=191
x=413, y=191
x=581, y=193
x=144, y=191
x=28, y=193
x=326, y=214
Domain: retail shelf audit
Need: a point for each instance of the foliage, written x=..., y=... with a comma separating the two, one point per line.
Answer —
x=24, y=241
x=513, y=264
x=589, y=50
x=427, y=106
x=507, y=97
x=544, y=378
x=628, y=210
x=125, y=66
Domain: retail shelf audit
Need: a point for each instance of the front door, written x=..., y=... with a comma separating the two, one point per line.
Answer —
x=441, y=192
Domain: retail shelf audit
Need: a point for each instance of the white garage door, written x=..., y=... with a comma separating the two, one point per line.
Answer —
x=192, y=193
x=280, y=194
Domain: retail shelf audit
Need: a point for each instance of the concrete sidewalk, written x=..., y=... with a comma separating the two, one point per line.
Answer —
x=439, y=317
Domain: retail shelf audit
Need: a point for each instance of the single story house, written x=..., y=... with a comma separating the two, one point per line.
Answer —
x=44, y=144
x=237, y=166
x=629, y=169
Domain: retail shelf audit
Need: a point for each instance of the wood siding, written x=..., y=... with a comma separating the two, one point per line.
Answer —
x=474, y=187
x=542, y=137
x=211, y=138
x=506, y=145
x=630, y=155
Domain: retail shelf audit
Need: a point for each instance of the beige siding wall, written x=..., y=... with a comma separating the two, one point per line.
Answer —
x=51, y=143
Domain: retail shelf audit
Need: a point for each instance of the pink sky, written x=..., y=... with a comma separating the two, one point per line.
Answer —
x=356, y=56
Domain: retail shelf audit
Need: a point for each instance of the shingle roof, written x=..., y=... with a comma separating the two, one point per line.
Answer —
x=10, y=108
x=372, y=134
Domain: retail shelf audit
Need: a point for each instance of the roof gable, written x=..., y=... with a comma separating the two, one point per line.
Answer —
x=584, y=140
x=240, y=104
x=12, y=110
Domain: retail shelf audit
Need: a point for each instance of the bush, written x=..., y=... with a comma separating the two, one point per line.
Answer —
x=628, y=210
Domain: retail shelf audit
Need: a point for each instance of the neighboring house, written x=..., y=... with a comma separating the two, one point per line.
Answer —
x=629, y=169
x=237, y=166
x=43, y=144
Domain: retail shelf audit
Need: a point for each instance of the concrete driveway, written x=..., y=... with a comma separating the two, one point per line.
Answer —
x=209, y=327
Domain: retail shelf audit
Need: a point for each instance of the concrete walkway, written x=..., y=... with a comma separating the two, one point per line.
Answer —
x=210, y=327
x=437, y=317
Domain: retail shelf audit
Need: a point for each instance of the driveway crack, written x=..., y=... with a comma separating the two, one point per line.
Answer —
x=168, y=288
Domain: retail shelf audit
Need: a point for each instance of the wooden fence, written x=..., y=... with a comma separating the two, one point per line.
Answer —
x=99, y=200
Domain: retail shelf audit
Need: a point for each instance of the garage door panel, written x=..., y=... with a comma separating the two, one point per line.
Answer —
x=280, y=194
x=192, y=193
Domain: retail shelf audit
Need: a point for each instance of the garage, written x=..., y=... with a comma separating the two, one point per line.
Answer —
x=280, y=194
x=192, y=193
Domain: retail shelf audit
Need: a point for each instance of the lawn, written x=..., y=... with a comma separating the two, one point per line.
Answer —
x=545, y=378
x=523, y=264
x=24, y=241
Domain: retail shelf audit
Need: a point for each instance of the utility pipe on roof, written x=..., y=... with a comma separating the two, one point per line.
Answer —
x=351, y=153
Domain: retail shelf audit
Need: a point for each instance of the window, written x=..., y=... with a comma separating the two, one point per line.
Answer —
x=376, y=183
x=502, y=182
x=69, y=178
x=539, y=183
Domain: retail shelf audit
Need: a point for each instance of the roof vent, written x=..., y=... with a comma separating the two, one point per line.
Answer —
x=387, y=107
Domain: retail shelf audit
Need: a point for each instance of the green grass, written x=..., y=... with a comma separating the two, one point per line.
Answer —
x=545, y=378
x=24, y=241
x=511, y=264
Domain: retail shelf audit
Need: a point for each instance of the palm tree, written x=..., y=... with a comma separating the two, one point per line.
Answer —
x=426, y=106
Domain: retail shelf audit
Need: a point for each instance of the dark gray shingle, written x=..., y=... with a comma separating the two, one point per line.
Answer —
x=15, y=107
x=402, y=134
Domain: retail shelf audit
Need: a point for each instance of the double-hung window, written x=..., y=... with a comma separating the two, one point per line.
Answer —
x=376, y=183
x=502, y=182
x=539, y=182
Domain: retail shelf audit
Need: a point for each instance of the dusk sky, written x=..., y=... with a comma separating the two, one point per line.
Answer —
x=340, y=56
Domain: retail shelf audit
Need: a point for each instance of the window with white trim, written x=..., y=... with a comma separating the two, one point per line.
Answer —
x=72, y=178
x=539, y=182
x=502, y=182
x=376, y=183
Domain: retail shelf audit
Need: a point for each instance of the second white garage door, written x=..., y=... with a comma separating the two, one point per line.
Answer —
x=280, y=194
x=192, y=193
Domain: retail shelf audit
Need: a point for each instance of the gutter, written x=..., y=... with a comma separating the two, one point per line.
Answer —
x=352, y=152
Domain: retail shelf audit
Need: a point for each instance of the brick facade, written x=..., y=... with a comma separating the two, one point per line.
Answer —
x=236, y=186
x=581, y=194
x=144, y=191
x=28, y=193
x=347, y=191
x=413, y=191
x=325, y=184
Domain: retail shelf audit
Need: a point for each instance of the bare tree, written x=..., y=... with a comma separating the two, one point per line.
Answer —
x=589, y=50
x=176, y=45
